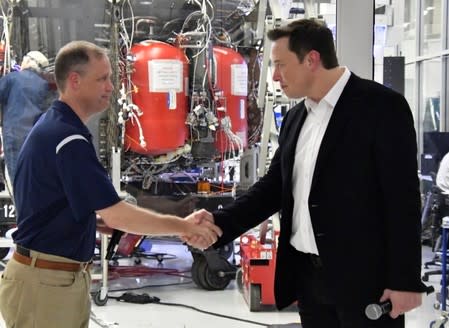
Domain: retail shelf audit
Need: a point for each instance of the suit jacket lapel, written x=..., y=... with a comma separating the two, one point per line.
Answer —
x=296, y=121
x=348, y=102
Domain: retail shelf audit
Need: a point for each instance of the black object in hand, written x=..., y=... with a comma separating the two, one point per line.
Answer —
x=113, y=244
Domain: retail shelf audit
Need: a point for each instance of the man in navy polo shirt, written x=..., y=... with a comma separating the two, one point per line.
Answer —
x=60, y=186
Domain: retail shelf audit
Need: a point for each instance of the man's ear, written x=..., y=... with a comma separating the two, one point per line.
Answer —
x=313, y=59
x=73, y=80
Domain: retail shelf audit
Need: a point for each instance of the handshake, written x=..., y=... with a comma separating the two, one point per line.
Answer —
x=200, y=230
x=197, y=229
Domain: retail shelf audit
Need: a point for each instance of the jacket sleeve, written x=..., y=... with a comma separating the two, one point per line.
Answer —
x=396, y=166
x=261, y=201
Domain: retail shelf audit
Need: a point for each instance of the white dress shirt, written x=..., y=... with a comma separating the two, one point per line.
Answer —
x=443, y=175
x=307, y=147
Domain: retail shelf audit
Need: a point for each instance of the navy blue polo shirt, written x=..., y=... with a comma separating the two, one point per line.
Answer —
x=59, y=185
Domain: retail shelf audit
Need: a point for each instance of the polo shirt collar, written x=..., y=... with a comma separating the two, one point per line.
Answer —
x=71, y=117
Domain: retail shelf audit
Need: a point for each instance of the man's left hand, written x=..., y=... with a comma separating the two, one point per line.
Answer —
x=401, y=301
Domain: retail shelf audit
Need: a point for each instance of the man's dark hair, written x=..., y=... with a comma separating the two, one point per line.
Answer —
x=306, y=35
x=74, y=56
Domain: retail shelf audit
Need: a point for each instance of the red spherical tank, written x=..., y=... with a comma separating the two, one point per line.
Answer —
x=160, y=78
x=231, y=73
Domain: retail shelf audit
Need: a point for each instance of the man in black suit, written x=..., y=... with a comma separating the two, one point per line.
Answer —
x=345, y=180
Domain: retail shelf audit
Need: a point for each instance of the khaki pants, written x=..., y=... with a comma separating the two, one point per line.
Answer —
x=31, y=297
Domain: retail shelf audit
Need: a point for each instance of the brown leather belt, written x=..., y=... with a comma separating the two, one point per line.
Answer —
x=50, y=265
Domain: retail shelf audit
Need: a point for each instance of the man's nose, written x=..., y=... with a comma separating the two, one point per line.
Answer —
x=276, y=76
x=110, y=86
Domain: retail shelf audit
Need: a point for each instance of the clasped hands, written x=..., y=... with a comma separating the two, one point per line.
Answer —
x=202, y=231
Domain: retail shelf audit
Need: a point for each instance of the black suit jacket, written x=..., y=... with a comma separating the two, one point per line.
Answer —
x=364, y=200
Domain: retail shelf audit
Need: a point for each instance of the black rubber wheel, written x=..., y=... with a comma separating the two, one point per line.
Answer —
x=98, y=300
x=207, y=279
x=214, y=281
x=3, y=252
x=239, y=279
x=199, y=268
x=194, y=271
x=254, y=297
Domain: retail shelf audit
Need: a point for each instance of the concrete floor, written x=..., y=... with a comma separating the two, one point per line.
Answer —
x=171, y=283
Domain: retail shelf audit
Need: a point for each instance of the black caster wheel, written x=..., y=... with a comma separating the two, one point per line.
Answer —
x=199, y=272
x=255, y=298
x=194, y=273
x=98, y=300
x=215, y=281
x=239, y=279
x=137, y=261
x=208, y=279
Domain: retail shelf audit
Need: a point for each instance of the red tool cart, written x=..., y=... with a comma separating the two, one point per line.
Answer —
x=256, y=276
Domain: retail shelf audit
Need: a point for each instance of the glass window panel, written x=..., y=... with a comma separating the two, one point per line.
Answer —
x=409, y=89
x=408, y=45
x=431, y=89
x=431, y=17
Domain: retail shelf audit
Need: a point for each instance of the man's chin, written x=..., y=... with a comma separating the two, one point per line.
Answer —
x=105, y=104
x=286, y=93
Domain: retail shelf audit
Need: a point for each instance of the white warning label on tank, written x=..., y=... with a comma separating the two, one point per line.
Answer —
x=165, y=75
x=239, y=79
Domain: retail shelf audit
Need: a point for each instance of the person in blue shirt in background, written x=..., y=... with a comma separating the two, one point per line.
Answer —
x=23, y=97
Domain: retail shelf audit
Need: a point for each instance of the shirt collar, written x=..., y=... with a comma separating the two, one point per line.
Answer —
x=333, y=94
x=71, y=117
